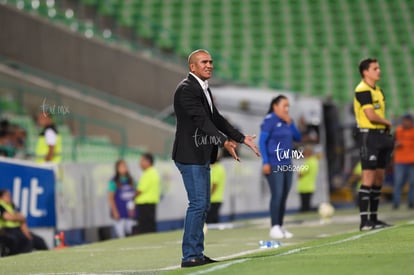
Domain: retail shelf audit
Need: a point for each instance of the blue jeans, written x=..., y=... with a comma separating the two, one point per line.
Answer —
x=197, y=184
x=280, y=183
x=403, y=173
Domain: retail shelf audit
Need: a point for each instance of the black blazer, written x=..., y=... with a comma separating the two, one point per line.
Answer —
x=199, y=132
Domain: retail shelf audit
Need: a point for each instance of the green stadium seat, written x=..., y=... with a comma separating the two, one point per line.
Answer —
x=89, y=2
x=330, y=37
x=108, y=7
x=165, y=39
x=125, y=13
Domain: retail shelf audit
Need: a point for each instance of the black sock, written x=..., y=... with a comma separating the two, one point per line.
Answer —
x=364, y=198
x=374, y=199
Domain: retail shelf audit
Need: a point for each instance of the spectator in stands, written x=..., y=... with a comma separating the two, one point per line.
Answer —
x=121, y=200
x=404, y=161
x=278, y=132
x=147, y=195
x=307, y=178
x=4, y=125
x=218, y=182
x=49, y=143
x=18, y=138
x=4, y=151
x=6, y=146
x=14, y=225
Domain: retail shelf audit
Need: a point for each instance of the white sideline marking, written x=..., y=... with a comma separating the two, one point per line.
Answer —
x=292, y=251
x=243, y=253
x=168, y=268
x=218, y=267
x=230, y=263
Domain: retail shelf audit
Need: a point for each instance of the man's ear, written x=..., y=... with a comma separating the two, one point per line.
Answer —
x=191, y=67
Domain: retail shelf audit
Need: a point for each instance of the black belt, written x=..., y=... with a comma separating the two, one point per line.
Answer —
x=367, y=130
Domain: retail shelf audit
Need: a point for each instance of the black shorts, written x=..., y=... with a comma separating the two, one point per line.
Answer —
x=375, y=149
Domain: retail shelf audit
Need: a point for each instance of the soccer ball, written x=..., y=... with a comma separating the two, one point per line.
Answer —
x=326, y=211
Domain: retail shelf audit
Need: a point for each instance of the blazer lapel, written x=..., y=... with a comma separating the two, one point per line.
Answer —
x=212, y=101
x=200, y=89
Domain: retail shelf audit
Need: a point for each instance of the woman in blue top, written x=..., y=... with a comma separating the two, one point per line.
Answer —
x=121, y=200
x=276, y=146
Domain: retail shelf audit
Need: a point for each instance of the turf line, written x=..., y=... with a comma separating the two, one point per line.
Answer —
x=292, y=251
x=233, y=262
x=175, y=267
x=218, y=267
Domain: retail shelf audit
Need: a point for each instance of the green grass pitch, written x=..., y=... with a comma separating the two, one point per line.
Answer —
x=334, y=248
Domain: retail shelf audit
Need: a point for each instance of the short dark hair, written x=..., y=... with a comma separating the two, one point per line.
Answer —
x=149, y=157
x=276, y=101
x=364, y=65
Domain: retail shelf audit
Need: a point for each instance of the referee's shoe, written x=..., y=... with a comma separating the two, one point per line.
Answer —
x=379, y=224
x=370, y=225
x=366, y=225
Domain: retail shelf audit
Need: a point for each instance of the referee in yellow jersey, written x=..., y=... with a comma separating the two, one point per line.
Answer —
x=375, y=142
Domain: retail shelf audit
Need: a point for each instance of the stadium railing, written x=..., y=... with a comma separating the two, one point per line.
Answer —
x=19, y=90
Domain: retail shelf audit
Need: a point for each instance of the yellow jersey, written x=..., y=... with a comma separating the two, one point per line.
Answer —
x=218, y=177
x=150, y=187
x=307, y=181
x=5, y=223
x=42, y=147
x=368, y=97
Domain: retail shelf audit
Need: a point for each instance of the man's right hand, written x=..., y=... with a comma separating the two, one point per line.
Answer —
x=230, y=146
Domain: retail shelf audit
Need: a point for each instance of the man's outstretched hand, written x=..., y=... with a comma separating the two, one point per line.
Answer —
x=230, y=146
x=248, y=140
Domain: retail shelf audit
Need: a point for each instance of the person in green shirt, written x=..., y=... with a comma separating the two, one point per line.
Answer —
x=147, y=195
x=218, y=182
x=307, y=178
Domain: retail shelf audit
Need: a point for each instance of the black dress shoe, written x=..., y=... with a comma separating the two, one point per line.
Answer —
x=198, y=262
x=193, y=262
x=209, y=260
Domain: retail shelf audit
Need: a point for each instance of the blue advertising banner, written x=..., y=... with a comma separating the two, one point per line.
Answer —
x=33, y=191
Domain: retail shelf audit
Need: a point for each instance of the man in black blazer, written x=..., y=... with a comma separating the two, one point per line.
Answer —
x=201, y=129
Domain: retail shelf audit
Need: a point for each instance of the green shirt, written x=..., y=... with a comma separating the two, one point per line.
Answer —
x=112, y=184
x=149, y=186
x=307, y=181
x=218, y=177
